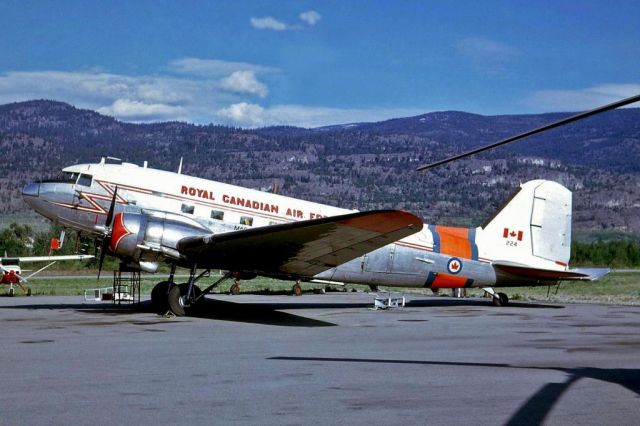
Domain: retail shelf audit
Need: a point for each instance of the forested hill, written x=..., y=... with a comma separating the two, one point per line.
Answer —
x=362, y=165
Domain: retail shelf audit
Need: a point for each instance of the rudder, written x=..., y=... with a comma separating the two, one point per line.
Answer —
x=533, y=228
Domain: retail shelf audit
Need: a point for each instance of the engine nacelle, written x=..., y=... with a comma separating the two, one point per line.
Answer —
x=149, y=236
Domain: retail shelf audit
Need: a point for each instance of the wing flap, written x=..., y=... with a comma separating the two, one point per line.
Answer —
x=303, y=248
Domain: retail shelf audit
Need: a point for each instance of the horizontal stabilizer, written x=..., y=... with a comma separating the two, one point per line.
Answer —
x=592, y=273
x=578, y=274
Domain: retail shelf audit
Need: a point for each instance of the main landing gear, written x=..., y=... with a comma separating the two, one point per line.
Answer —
x=184, y=299
x=181, y=299
x=12, y=290
x=499, y=299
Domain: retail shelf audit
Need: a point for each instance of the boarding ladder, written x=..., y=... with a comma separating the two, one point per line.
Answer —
x=126, y=285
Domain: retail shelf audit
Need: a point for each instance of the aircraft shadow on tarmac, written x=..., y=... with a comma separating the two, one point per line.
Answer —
x=259, y=313
x=434, y=302
x=445, y=301
x=539, y=405
x=268, y=313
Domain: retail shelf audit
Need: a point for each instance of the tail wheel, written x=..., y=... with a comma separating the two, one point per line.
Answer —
x=297, y=290
x=500, y=299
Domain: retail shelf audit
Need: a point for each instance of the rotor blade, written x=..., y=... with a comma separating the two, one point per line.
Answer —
x=112, y=207
x=558, y=123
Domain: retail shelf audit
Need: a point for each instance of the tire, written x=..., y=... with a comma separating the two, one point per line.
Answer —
x=159, y=296
x=235, y=289
x=176, y=300
x=297, y=290
x=504, y=299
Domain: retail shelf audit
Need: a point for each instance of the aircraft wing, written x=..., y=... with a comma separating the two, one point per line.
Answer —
x=48, y=258
x=27, y=259
x=303, y=248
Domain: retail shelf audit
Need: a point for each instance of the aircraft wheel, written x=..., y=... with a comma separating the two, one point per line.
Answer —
x=12, y=292
x=178, y=302
x=500, y=299
x=235, y=289
x=297, y=290
x=159, y=297
x=28, y=292
x=504, y=299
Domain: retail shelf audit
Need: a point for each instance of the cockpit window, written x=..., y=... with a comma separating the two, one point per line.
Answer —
x=64, y=177
x=85, y=180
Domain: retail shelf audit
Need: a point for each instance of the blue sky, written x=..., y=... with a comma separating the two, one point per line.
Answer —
x=313, y=63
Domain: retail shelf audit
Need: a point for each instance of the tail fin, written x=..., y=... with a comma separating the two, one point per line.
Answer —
x=533, y=228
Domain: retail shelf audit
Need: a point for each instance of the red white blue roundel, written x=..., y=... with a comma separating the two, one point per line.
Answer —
x=454, y=265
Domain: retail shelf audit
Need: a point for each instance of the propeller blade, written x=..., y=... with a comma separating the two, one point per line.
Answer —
x=107, y=238
x=112, y=207
x=558, y=123
x=103, y=253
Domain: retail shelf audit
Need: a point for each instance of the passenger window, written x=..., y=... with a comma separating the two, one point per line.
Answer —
x=187, y=208
x=217, y=214
x=246, y=220
x=85, y=180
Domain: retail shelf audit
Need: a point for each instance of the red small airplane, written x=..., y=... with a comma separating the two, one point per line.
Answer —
x=12, y=272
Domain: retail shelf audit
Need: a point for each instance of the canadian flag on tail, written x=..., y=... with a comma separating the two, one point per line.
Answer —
x=510, y=233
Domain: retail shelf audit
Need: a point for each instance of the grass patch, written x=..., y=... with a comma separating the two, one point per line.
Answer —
x=618, y=288
x=76, y=285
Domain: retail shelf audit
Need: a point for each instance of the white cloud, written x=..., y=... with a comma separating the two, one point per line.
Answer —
x=244, y=114
x=155, y=97
x=140, y=111
x=244, y=82
x=581, y=99
x=490, y=55
x=311, y=17
x=196, y=97
x=268, y=23
x=215, y=67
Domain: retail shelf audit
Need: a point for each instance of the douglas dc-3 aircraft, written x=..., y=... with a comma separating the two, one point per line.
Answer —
x=146, y=216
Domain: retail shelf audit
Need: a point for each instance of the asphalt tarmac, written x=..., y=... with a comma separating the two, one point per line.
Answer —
x=318, y=359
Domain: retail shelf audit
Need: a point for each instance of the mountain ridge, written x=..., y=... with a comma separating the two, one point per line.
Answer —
x=365, y=165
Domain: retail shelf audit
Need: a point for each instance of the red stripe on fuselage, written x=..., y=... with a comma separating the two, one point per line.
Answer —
x=448, y=281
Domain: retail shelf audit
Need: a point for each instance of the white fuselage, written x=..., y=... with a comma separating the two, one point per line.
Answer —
x=430, y=258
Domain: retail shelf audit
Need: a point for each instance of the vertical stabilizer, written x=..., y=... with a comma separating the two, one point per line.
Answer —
x=532, y=229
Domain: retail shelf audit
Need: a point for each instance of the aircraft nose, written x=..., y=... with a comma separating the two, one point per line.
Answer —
x=31, y=189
